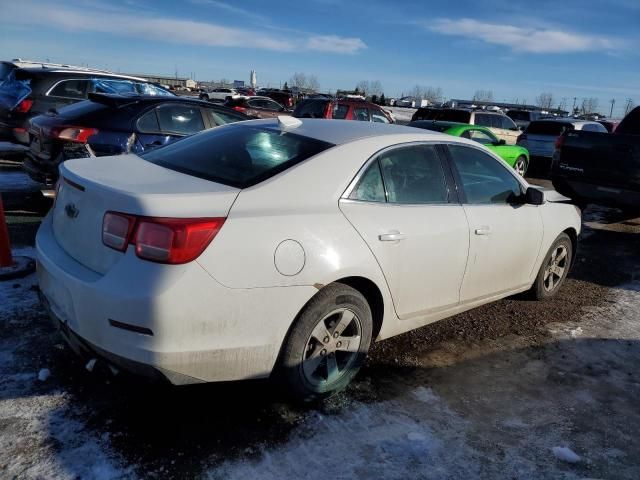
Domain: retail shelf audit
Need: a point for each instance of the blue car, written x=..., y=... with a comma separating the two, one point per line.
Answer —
x=115, y=124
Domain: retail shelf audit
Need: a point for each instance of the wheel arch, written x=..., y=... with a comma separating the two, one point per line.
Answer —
x=369, y=290
x=573, y=236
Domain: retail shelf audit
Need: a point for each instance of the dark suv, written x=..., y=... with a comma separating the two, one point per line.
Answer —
x=283, y=97
x=342, y=109
x=29, y=91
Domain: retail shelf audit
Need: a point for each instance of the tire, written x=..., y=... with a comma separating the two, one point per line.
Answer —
x=548, y=281
x=314, y=351
x=521, y=165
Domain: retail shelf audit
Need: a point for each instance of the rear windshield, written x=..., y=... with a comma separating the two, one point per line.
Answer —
x=5, y=69
x=459, y=116
x=236, y=155
x=519, y=115
x=127, y=87
x=310, y=109
x=548, y=128
x=427, y=125
x=13, y=91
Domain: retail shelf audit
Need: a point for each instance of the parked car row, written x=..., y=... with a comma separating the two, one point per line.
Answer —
x=29, y=90
x=501, y=125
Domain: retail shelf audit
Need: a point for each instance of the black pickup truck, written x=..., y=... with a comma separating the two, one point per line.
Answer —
x=602, y=168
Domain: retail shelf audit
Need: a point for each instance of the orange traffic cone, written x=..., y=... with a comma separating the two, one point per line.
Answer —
x=11, y=266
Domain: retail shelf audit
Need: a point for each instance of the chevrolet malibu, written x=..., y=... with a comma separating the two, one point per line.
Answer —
x=284, y=247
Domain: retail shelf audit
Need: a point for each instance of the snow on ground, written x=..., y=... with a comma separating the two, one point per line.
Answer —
x=42, y=434
x=502, y=414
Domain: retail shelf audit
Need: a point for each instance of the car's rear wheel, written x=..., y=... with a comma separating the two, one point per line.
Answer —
x=327, y=345
x=554, y=269
x=521, y=165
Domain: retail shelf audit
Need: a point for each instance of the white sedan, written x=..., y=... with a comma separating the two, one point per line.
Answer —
x=284, y=247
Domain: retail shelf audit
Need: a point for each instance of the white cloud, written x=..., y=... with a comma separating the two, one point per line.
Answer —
x=171, y=30
x=533, y=40
x=335, y=44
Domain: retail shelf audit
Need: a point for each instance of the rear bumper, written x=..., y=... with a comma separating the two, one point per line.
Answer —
x=589, y=192
x=171, y=321
x=39, y=172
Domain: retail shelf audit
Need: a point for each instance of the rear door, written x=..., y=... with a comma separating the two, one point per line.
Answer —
x=405, y=210
x=505, y=235
x=167, y=123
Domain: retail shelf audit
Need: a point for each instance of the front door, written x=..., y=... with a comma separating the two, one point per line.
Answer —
x=404, y=210
x=505, y=234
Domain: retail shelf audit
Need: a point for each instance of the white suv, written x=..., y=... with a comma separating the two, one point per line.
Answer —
x=502, y=126
x=219, y=94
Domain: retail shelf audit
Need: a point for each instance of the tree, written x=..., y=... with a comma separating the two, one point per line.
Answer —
x=545, y=100
x=298, y=80
x=483, y=96
x=431, y=94
x=286, y=86
x=375, y=88
x=363, y=87
x=382, y=101
x=313, y=84
x=589, y=105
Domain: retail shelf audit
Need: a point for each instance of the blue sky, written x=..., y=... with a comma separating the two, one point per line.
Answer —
x=517, y=49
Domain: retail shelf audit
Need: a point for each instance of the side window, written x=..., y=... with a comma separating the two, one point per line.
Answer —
x=414, y=175
x=221, y=118
x=148, y=123
x=482, y=120
x=70, y=89
x=370, y=187
x=507, y=123
x=271, y=105
x=481, y=137
x=484, y=179
x=257, y=103
x=361, y=114
x=340, y=111
x=180, y=119
x=594, y=127
x=378, y=116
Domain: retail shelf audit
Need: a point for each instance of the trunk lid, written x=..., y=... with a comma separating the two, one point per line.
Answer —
x=128, y=184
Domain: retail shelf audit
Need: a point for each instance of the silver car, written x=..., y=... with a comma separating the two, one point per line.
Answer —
x=541, y=135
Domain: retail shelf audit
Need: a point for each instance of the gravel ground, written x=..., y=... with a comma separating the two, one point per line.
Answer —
x=515, y=389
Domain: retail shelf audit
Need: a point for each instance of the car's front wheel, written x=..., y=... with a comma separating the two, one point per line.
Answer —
x=521, y=165
x=327, y=345
x=554, y=269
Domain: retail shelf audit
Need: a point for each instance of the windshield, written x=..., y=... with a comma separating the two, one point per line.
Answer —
x=451, y=115
x=236, y=155
x=518, y=115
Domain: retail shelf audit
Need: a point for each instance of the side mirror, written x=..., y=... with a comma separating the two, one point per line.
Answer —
x=534, y=196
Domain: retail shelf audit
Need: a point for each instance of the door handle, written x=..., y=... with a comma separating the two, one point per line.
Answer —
x=391, y=237
x=483, y=231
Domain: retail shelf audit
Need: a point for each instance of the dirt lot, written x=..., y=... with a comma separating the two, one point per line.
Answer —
x=509, y=390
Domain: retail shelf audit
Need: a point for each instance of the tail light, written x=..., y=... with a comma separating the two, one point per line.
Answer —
x=24, y=106
x=75, y=134
x=163, y=240
x=289, y=102
x=240, y=109
x=559, y=142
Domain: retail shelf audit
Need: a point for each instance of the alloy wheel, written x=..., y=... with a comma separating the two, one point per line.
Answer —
x=332, y=347
x=555, y=270
x=521, y=166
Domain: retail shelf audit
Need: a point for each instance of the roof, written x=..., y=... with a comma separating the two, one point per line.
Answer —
x=80, y=71
x=573, y=121
x=338, y=132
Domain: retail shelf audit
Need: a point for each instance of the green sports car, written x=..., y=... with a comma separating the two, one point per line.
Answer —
x=514, y=155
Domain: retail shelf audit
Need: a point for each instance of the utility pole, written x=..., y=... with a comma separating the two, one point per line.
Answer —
x=628, y=107
x=613, y=102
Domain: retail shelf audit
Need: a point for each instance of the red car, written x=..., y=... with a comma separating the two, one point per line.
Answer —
x=257, y=107
x=343, y=109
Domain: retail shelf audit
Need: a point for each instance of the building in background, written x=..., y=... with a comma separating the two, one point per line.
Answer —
x=253, y=79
